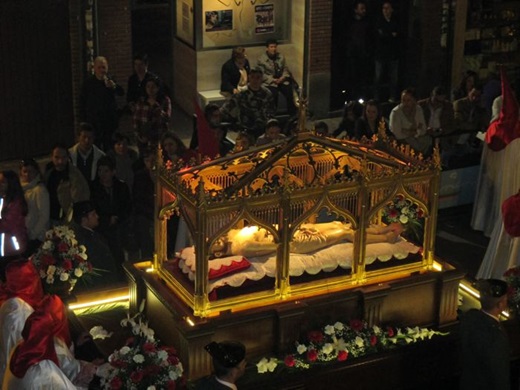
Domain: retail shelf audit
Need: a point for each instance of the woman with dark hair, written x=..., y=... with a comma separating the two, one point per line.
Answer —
x=469, y=80
x=368, y=124
x=38, y=204
x=174, y=149
x=13, y=209
x=351, y=113
x=152, y=114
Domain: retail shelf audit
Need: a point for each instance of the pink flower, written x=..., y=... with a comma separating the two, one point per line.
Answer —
x=289, y=361
x=342, y=356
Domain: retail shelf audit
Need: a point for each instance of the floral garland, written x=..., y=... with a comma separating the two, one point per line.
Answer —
x=342, y=341
x=142, y=363
x=60, y=260
x=405, y=212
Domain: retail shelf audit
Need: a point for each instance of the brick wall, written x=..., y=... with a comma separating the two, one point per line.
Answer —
x=115, y=37
x=77, y=68
x=319, y=57
x=320, y=35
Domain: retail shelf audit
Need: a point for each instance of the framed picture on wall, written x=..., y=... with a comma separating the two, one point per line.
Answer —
x=226, y=23
x=219, y=20
x=184, y=21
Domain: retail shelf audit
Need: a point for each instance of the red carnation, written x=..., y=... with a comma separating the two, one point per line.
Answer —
x=289, y=361
x=315, y=336
x=152, y=370
x=393, y=213
x=373, y=340
x=79, y=259
x=136, y=376
x=342, y=355
x=48, y=260
x=116, y=383
x=172, y=385
x=356, y=325
x=173, y=359
x=390, y=331
x=420, y=213
x=148, y=347
x=63, y=247
x=312, y=355
x=67, y=265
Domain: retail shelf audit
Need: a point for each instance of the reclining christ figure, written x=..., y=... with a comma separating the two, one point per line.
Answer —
x=252, y=241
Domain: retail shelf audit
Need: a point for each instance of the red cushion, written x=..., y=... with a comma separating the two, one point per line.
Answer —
x=223, y=270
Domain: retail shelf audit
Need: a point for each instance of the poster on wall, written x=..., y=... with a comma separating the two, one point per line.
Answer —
x=226, y=23
x=185, y=21
x=219, y=20
x=264, y=18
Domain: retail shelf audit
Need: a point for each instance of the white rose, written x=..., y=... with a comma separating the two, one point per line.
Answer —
x=78, y=272
x=359, y=342
x=124, y=350
x=51, y=270
x=150, y=388
x=162, y=355
x=272, y=364
x=339, y=326
x=403, y=219
x=329, y=330
x=404, y=210
x=301, y=348
x=50, y=279
x=47, y=245
x=64, y=276
x=138, y=358
x=172, y=374
x=261, y=366
x=327, y=348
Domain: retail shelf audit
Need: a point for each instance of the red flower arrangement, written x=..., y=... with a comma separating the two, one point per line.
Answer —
x=60, y=260
x=142, y=363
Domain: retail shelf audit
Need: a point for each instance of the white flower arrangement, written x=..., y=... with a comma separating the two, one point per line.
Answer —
x=340, y=341
x=141, y=363
x=60, y=259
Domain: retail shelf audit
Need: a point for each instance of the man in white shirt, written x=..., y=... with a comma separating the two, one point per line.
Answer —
x=85, y=155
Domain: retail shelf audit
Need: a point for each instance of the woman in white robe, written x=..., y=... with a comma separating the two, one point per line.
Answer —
x=34, y=363
x=20, y=295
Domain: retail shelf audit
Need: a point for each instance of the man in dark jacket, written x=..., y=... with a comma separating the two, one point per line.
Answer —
x=97, y=103
x=485, y=347
x=387, y=52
